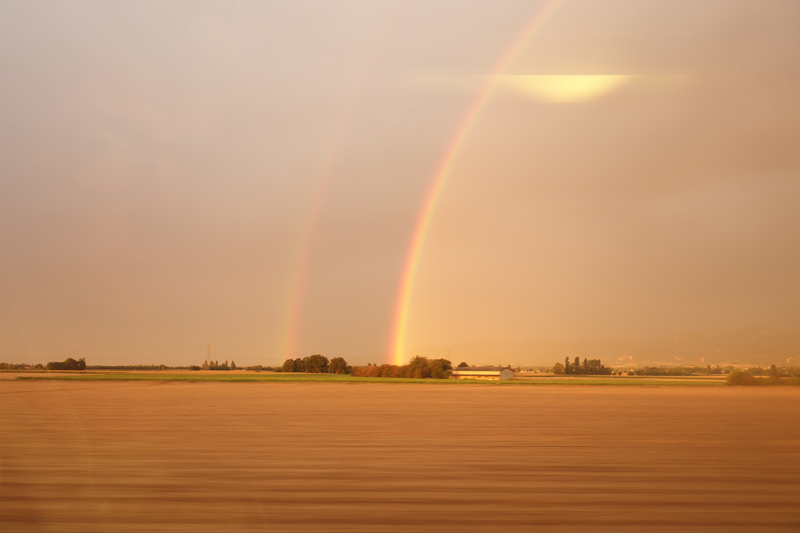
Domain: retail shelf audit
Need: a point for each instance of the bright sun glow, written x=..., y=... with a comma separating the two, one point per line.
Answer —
x=565, y=89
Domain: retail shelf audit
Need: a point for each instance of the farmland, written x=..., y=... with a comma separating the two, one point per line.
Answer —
x=158, y=455
x=279, y=377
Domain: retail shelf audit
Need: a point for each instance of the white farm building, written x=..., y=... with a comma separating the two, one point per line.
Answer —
x=485, y=372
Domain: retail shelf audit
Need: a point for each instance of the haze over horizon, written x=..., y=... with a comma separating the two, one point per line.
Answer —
x=251, y=175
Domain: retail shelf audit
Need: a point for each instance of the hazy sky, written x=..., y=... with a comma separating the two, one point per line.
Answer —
x=250, y=174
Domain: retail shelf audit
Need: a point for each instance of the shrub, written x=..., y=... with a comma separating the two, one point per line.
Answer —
x=739, y=377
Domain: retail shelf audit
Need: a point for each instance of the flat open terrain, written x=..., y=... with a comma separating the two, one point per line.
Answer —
x=153, y=456
x=239, y=376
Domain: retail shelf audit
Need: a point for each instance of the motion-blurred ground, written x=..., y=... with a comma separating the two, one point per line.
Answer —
x=149, y=456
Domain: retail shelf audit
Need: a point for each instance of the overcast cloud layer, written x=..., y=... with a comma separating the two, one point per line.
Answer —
x=249, y=174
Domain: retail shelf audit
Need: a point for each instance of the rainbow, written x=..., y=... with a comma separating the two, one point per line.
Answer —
x=297, y=287
x=304, y=251
x=397, y=348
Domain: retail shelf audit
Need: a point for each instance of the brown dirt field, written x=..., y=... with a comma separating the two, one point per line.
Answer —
x=284, y=457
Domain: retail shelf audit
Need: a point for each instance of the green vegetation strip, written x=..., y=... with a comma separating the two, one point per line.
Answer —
x=343, y=378
x=623, y=382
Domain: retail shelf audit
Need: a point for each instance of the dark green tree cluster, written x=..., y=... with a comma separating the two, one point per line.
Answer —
x=786, y=372
x=316, y=364
x=133, y=367
x=338, y=366
x=20, y=366
x=68, y=364
x=417, y=368
x=589, y=367
x=260, y=368
x=671, y=371
x=776, y=377
x=214, y=365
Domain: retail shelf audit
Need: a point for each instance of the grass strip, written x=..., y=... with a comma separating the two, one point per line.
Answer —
x=342, y=378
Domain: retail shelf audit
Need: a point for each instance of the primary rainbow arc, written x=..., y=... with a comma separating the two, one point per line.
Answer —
x=397, y=348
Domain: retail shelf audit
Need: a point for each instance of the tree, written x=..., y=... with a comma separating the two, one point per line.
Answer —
x=288, y=365
x=589, y=367
x=594, y=366
x=299, y=365
x=417, y=361
x=419, y=367
x=446, y=364
x=422, y=372
x=462, y=365
x=316, y=364
x=437, y=368
x=233, y=365
x=68, y=364
x=337, y=366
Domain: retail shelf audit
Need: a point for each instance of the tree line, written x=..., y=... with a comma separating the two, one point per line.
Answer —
x=316, y=364
x=68, y=364
x=80, y=364
x=417, y=368
x=135, y=367
x=214, y=365
x=789, y=376
x=677, y=370
x=786, y=371
x=588, y=367
x=20, y=366
x=595, y=367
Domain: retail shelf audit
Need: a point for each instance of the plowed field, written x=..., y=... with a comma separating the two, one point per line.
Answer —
x=286, y=457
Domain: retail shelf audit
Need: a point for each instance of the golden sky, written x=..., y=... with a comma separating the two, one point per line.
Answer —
x=250, y=174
